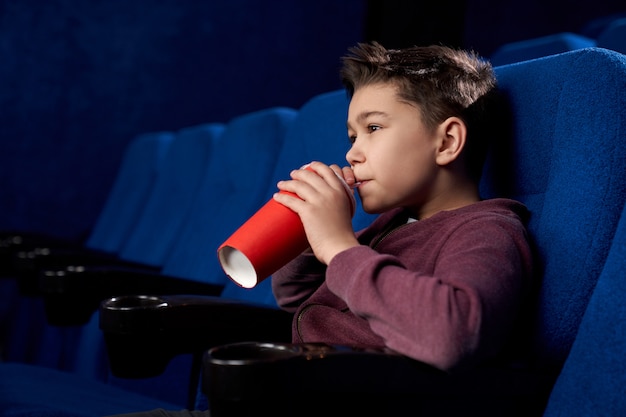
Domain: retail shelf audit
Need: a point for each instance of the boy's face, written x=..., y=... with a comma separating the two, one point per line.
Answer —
x=393, y=153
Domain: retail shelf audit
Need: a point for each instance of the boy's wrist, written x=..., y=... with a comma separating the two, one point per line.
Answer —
x=338, y=248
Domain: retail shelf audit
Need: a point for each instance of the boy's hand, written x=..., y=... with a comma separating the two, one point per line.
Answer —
x=346, y=173
x=323, y=206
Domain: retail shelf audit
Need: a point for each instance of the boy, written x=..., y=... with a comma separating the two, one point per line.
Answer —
x=440, y=275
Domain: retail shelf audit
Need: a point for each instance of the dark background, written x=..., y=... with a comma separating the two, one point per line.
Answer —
x=79, y=79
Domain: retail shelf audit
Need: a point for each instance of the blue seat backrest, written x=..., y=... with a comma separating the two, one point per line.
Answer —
x=233, y=186
x=80, y=349
x=172, y=196
x=539, y=47
x=25, y=332
x=567, y=163
x=318, y=133
x=230, y=185
x=136, y=176
x=614, y=36
x=594, y=376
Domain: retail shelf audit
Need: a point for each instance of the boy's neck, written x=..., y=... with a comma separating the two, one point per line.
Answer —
x=458, y=194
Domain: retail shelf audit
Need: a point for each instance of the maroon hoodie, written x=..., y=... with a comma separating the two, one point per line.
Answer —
x=445, y=290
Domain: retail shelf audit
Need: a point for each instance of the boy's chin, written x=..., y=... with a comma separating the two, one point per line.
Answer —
x=372, y=209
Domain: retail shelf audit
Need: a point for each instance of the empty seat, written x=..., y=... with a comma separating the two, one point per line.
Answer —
x=23, y=319
x=539, y=47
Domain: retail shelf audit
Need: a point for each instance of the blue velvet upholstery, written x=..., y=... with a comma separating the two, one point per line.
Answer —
x=172, y=198
x=539, y=47
x=594, y=376
x=24, y=328
x=236, y=166
x=136, y=176
x=31, y=391
x=568, y=165
x=170, y=194
x=79, y=349
x=233, y=187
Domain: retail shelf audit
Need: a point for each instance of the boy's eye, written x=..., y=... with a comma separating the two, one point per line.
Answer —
x=370, y=129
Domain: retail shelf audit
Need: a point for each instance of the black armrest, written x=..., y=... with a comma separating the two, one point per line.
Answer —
x=72, y=295
x=27, y=264
x=252, y=378
x=143, y=333
x=13, y=242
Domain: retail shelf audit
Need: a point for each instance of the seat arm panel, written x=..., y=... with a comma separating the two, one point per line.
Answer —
x=143, y=333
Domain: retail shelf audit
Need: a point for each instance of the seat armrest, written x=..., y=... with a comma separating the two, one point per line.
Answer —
x=252, y=378
x=12, y=242
x=73, y=295
x=143, y=333
x=27, y=264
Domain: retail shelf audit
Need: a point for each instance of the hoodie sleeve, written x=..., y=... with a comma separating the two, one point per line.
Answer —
x=463, y=307
x=296, y=281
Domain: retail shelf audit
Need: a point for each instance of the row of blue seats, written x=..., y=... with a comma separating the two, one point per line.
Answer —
x=565, y=161
x=161, y=179
x=177, y=194
x=612, y=37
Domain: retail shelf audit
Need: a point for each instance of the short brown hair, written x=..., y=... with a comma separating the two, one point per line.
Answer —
x=441, y=81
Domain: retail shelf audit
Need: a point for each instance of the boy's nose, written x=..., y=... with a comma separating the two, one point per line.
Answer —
x=354, y=155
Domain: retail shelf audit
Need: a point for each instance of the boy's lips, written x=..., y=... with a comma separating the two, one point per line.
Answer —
x=359, y=183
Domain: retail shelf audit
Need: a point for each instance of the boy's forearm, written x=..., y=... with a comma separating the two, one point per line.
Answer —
x=297, y=280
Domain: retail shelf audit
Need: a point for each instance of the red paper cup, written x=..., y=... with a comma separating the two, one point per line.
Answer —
x=267, y=241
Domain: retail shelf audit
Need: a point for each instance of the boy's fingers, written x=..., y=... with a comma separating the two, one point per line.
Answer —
x=337, y=170
x=348, y=175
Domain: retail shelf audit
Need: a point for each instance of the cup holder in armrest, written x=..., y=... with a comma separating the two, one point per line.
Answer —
x=131, y=313
x=244, y=366
x=251, y=378
x=134, y=302
x=247, y=353
x=134, y=325
x=315, y=379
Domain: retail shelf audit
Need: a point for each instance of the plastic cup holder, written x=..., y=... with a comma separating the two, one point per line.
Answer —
x=251, y=352
x=135, y=302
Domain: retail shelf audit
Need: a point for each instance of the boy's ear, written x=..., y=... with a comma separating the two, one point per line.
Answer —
x=452, y=134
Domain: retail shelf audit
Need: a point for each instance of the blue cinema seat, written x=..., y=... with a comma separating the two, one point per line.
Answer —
x=227, y=172
x=35, y=335
x=566, y=162
x=161, y=215
x=130, y=191
x=241, y=192
x=134, y=180
x=230, y=188
x=176, y=177
x=539, y=47
x=592, y=380
x=317, y=133
x=153, y=234
x=560, y=134
x=231, y=185
x=23, y=316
